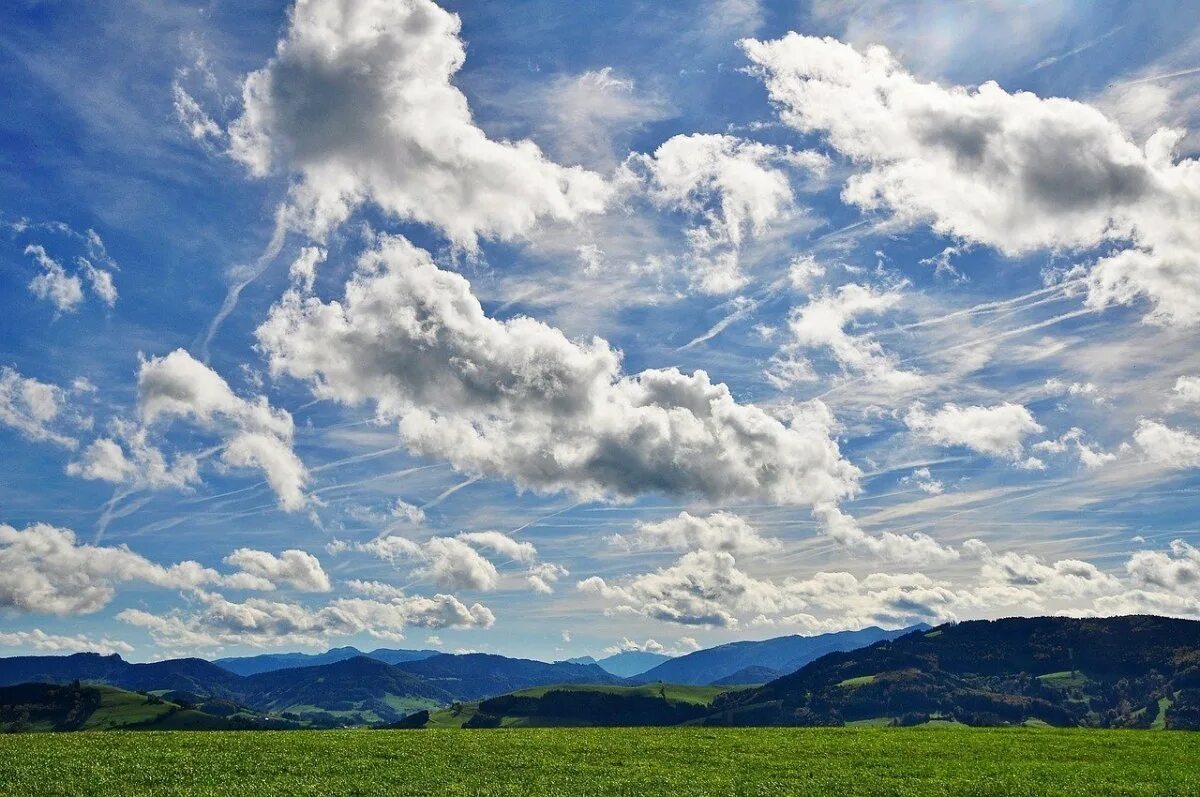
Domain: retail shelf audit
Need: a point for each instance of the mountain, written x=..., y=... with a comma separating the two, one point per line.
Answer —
x=580, y=660
x=361, y=689
x=268, y=662
x=475, y=676
x=629, y=663
x=185, y=675
x=749, y=675
x=398, y=656
x=1134, y=671
x=781, y=654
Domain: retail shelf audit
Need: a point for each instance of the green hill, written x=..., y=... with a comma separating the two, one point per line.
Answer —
x=1117, y=672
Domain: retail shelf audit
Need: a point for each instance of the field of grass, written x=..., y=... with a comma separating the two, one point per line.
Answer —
x=549, y=762
x=119, y=708
x=674, y=693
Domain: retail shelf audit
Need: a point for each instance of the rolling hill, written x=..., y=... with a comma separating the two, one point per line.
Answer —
x=1134, y=671
x=184, y=675
x=773, y=656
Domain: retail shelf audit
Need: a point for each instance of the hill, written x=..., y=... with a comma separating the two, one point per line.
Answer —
x=361, y=690
x=582, y=705
x=629, y=663
x=781, y=655
x=476, y=676
x=185, y=675
x=1097, y=672
x=77, y=707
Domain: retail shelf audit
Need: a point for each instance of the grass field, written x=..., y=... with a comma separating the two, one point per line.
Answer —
x=591, y=761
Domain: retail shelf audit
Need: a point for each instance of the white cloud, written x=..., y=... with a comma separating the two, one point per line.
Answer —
x=44, y=569
x=53, y=284
x=303, y=271
x=32, y=407
x=300, y=569
x=542, y=576
x=821, y=324
x=997, y=431
x=178, y=386
x=844, y=530
x=686, y=644
x=358, y=102
x=733, y=188
x=518, y=400
x=1177, y=572
x=1174, y=448
x=1089, y=456
x=262, y=623
x=1013, y=171
x=924, y=481
x=446, y=561
x=37, y=639
x=501, y=543
x=720, y=531
x=1187, y=390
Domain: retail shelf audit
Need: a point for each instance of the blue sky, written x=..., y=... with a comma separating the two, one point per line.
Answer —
x=546, y=328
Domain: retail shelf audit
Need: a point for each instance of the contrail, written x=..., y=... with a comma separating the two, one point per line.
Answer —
x=235, y=290
x=1152, y=78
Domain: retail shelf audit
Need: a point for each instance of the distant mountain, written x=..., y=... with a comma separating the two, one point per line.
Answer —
x=397, y=656
x=1132, y=671
x=781, y=654
x=580, y=660
x=475, y=676
x=749, y=675
x=185, y=675
x=268, y=662
x=629, y=663
x=368, y=689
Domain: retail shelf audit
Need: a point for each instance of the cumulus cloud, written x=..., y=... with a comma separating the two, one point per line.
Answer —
x=32, y=408
x=543, y=576
x=1176, y=572
x=733, y=187
x=997, y=431
x=44, y=569
x=1013, y=171
x=263, y=623
x=517, y=399
x=686, y=644
x=1089, y=456
x=358, y=103
x=1161, y=444
x=844, y=530
x=1187, y=390
x=821, y=324
x=703, y=588
x=720, y=531
x=178, y=386
x=446, y=561
x=298, y=568
x=37, y=639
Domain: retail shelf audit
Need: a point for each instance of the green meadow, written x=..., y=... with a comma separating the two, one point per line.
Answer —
x=598, y=761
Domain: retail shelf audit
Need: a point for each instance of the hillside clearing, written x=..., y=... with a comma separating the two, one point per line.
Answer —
x=672, y=761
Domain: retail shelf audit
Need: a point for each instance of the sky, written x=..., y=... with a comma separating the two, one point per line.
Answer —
x=556, y=329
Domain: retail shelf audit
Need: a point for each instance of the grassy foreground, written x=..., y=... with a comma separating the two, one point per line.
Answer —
x=592, y=761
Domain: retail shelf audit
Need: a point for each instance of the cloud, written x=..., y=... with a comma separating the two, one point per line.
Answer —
x=300, y=569
x=685, y=645
x=32, y=407
x=178, y=386
x=730, y=187
x=1090, y=457
x=542, y=577
x=1177, y=572
x=45, y=570
x=358, y=102
x=37, y=639
x=704, y=588
x=1187, y=390
x=1013, y=171
x=53, y=284
x=262, y=623
x=822, y=323
x=720, y=531
x=1065, y=578
x=1174, y=448
x=446, y=561
x=517, y=399
x=917, y=548
x=997, y=431
x=65, y=291
x=501, y=543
